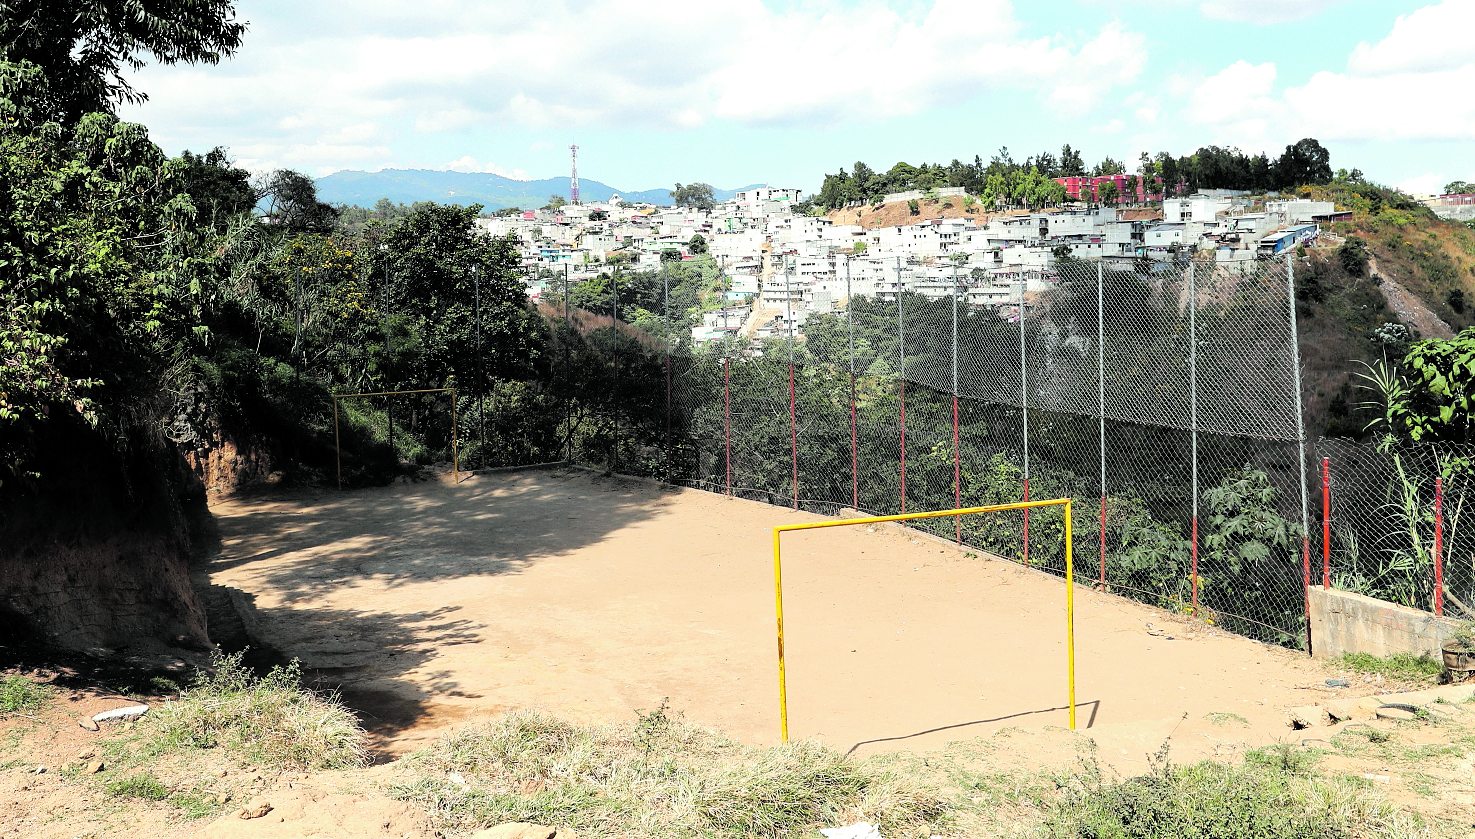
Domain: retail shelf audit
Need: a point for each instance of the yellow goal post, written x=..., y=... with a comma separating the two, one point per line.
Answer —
x=338, y=452
x=778, y=588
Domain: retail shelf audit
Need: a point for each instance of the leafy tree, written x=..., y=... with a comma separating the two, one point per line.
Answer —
x=1071, y=164
x=697, y=245
x=431, y=254
x=1110, y=166
x=1305, y=162
x=82, y=47
x=103, y=276
x=555, y=201
x=1459, y=188
x=598, y=215
x=1106, y=192
x=693, y=195
x=1353, y=255
x=292, y=202
x=218, y=190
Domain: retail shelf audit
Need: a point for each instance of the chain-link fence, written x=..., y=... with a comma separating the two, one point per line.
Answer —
x=1394, y=518
x=1161, y=398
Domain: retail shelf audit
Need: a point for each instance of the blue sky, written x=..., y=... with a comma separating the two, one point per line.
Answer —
x=783, y=91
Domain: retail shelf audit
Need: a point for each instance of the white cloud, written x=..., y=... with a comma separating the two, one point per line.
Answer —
x=1428, y=184
x=1432, y=39
x=1409, y=86
x=1264, y=12
x=353, y=79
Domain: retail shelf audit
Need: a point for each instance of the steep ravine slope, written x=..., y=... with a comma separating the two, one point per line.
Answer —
x=95, y=552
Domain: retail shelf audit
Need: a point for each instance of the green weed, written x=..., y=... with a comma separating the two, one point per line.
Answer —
x=19, y=694
x=1267, y=798
x=1403, y=667
x=143, y=785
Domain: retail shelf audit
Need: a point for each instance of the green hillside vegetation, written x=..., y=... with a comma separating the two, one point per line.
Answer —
x=1346, y=321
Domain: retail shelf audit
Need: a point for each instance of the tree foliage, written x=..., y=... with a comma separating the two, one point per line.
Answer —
x=1004, y=182
x=693, y=195
x=83, y=47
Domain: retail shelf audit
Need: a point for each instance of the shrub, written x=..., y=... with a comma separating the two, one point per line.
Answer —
x=1353, y=255
x=271, y=720
x=1267, y=797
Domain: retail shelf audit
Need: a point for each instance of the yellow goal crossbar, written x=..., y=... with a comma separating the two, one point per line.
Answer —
x=778, y=588
x=338, y=452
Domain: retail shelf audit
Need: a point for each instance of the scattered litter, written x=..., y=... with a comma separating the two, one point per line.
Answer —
x=1157, y=633
x=1383, y=779
x=1338, y=683
x=128, y=713
x=39, y=770
x=457, y=778
x=859, y=830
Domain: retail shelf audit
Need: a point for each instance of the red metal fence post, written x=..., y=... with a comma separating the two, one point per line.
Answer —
x=1326, y=523
x=903, y=445
x=1438, y=546
x=727, y=420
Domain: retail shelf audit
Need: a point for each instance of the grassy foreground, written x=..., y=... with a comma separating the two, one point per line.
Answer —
x=658, y=776
x=232, y=735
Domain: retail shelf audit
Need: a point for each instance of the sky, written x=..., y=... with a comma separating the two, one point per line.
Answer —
x=784, y=91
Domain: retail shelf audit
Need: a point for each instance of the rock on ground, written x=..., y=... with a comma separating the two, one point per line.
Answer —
x=303, y=812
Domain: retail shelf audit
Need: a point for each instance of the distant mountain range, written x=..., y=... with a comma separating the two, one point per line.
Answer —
x=406, y=186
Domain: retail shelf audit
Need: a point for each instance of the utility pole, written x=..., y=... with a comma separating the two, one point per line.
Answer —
x=388, y=384
x=480, y=396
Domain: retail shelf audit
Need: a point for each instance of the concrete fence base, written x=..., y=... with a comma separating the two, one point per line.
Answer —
x=1343, y=622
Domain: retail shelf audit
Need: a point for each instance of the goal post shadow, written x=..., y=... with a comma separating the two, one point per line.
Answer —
x=778, y=588
x=338, y=450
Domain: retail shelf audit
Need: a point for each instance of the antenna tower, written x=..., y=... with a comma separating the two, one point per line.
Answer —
x=573, y=181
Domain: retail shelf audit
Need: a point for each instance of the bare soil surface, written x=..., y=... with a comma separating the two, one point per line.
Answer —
x=1410, y=309
x=436, y=603
x=592, y=597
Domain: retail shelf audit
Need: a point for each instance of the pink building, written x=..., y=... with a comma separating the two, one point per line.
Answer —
x=1091, y=185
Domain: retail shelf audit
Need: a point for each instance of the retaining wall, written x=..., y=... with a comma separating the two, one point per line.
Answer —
x=1343, y=622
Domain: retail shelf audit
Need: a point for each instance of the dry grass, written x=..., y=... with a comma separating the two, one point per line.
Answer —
x=656, y=776
x=272, y=721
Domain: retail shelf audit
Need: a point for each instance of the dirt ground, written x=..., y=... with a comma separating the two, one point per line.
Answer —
x=435, y=603
x=593, y=597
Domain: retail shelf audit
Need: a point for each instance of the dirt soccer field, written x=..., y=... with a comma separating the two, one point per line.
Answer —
x=592, y=597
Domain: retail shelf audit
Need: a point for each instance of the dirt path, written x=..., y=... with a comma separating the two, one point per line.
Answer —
x=1409, y=308
x=594, y=597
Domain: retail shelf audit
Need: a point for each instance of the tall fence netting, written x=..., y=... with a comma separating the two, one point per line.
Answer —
x=1163, y=400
